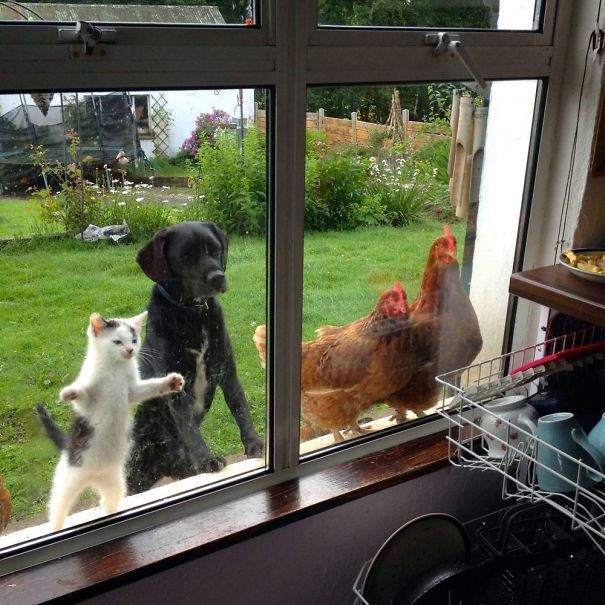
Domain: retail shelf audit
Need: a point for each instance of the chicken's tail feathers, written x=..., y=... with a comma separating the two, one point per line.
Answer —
x=260, y=342
x=55, y=434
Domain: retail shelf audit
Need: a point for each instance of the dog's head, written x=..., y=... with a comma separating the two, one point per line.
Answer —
x=189, y=259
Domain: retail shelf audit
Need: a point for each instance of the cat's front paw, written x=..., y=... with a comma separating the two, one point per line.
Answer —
x=174, y=383
x=69, y=393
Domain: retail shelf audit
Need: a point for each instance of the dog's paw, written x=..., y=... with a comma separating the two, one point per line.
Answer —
x=212, y=465
x=174, y=383
x=69, y=393
x=254, y=448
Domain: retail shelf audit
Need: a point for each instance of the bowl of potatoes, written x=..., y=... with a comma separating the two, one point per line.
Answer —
x=586, y=263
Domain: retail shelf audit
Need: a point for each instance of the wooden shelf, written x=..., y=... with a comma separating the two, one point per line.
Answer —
x=557, y=288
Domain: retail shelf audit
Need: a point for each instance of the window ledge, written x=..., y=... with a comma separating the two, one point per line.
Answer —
x=109, y=565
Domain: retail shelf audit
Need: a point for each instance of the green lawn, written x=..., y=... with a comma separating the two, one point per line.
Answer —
x=17, y=217
x=48, y=288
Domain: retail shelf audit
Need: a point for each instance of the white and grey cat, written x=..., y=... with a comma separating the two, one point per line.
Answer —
x=94, y=452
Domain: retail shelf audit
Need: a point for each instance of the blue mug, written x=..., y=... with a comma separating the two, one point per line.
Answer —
x=597, y=438
x=563, y=432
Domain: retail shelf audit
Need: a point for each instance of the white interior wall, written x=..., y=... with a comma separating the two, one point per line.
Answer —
x=314, y=560
x=509, y=128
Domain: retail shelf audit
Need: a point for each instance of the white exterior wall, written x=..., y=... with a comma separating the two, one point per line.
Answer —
x=183, y=105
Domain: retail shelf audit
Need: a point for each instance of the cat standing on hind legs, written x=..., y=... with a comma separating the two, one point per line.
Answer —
x=94, y=452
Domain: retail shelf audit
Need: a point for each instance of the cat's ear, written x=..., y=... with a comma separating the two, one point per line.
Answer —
x=138, y=320
x=151, y=257
x=97, y=323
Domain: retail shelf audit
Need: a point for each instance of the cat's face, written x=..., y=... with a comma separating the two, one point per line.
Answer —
x=118, y=339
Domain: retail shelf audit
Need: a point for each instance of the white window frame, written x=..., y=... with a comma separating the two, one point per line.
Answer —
x=286, y=53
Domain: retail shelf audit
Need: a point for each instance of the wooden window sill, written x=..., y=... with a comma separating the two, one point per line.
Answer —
x=121, y=561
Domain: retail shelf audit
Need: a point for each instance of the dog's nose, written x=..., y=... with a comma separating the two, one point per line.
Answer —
x=216, y=279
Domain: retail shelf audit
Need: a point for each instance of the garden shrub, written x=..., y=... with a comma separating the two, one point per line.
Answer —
x=335, y=188
x=74, y=203
x=206, y=127
x=229, y=183
x=61, y=200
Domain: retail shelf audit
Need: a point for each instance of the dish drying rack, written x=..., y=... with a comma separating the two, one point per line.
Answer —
x=522, y=372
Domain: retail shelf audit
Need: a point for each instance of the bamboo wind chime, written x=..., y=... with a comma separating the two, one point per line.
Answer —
x=469, y=125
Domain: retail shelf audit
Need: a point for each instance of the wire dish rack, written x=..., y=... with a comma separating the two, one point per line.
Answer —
x=465, y=391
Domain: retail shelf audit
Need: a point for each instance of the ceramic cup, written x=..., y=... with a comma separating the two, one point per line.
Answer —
x=563, y=432
x=597, y=438
x=502, y=418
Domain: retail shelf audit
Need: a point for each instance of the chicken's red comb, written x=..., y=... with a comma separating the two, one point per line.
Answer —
x=449, y=237
x=397, y=287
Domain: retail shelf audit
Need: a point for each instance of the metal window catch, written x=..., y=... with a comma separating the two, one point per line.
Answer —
x=443, y=43
x=88, y=34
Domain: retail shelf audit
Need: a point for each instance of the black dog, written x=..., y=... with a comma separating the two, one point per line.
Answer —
x=186, y=333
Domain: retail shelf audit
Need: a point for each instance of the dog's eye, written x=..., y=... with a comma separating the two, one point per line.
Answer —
x=117, y=342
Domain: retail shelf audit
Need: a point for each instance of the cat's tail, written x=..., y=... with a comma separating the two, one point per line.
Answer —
x=56, y=435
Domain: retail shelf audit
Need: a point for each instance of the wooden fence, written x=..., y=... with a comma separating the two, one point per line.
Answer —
x=341, y=131
x=468, y=131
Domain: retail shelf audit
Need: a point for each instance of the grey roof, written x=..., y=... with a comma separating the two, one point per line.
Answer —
x=115, y=13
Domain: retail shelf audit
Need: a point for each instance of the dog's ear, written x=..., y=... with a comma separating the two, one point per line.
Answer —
x=151, y=257
x=222, y=238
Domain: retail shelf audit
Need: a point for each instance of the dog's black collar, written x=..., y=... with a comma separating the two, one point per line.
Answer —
x=203, y=304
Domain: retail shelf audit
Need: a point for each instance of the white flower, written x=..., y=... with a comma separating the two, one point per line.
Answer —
x=128, y=183
x=121, y=203
x=151, y=178
x=184, y=204
x=140, y=199
x=165, y=187
x=164, y=201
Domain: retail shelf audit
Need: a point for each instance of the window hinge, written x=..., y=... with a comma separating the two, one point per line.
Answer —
x=443, y=42
x=90, y=35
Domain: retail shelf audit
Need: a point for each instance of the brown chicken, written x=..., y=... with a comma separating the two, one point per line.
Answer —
x=454, y=338
x=348, y=369
x=6, y=505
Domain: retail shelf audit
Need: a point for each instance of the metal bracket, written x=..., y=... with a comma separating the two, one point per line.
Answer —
x=88, y=34
x=444, y=43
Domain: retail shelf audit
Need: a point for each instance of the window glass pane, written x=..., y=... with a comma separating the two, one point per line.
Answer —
x=412, y=202
x=221, y=12
x=173, y=222
x=467, y=14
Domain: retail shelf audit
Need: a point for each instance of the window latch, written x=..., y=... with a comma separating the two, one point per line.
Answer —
x=443, y=42
x=88, y=34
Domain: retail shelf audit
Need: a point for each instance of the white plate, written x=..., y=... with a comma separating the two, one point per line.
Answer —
x=596, y=277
